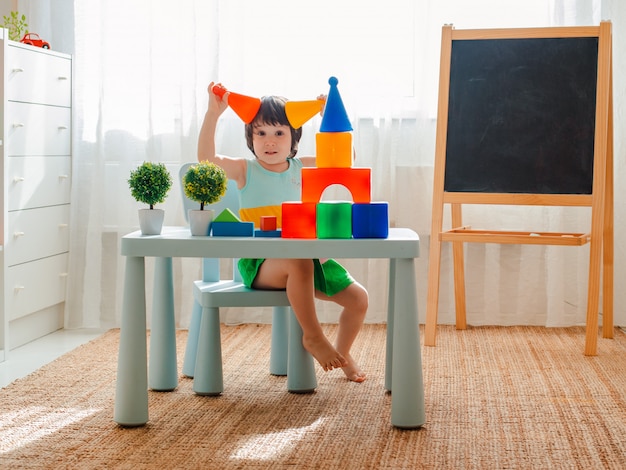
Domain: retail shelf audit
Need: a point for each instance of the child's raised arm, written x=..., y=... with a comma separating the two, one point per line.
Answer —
x=235, y=168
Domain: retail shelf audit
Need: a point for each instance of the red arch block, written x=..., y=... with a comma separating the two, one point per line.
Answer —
x=357, y=180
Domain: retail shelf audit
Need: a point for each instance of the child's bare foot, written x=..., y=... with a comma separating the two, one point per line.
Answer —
x=324, y=352
x=353, y=371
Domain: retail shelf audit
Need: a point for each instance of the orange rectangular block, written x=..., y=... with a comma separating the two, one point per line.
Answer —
x=333, y=150
x=357, y=180
x=299, y=220
x=268, y=223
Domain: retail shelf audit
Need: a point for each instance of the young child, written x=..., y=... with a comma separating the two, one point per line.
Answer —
x=265, y=182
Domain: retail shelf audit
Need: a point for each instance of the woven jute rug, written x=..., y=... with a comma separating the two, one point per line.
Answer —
x=496, y=398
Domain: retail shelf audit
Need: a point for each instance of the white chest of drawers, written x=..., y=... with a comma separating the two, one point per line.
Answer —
x=36, y=179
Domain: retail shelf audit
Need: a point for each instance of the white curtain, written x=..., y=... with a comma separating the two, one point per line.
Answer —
x=141, y=72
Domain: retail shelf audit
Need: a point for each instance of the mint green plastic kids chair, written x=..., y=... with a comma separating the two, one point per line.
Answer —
x=203, y=354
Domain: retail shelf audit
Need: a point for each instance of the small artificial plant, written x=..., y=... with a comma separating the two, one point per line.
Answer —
x=16, y=25
x=205, y=182
x=150, y=183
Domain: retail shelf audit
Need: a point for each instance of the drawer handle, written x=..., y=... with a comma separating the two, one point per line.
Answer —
x=17, y=70
x=18, y=179
x=18, y=124
x=18, y=288
x=62, y=77
x=64, y=176
x=62, y=225
x=63, y=274
x=62, y=128
x=18, y=234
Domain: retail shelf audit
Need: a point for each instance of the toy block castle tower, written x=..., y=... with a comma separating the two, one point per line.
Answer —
x=313, y=218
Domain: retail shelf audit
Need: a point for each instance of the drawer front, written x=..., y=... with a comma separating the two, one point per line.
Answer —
x=37, y=233
x=38, y=181
x=38, y=130
x=38, y=77
x=33, y=286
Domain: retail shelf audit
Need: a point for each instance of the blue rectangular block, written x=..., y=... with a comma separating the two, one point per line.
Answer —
x=268, y=233
x=232, y=229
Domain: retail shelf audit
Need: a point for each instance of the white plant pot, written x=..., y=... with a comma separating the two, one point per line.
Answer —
x=200, y=221
x=151, y=221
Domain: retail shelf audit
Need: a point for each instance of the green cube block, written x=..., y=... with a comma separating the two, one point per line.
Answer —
x=334, y=219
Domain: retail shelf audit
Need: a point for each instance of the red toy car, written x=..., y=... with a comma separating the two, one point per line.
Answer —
x=33, y=39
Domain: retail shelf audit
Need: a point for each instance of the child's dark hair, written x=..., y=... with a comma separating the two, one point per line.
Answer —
x=272, y=112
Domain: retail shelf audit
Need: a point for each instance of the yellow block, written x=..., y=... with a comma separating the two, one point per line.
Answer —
x=333, y=150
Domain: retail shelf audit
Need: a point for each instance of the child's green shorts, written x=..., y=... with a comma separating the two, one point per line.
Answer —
x=329, y=278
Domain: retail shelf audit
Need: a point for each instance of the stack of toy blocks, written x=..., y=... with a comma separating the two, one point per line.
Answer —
x=313, y=218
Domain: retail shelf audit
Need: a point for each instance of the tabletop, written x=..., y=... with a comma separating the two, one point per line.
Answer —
x=178, y=242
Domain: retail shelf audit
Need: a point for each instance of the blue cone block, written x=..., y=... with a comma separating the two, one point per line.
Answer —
x=370, y=220
x=335, y=118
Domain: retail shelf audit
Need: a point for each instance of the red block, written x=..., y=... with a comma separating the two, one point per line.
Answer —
x=299, y=220
x=268, y=223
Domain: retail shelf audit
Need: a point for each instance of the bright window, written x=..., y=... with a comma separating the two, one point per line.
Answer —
x=292, y=48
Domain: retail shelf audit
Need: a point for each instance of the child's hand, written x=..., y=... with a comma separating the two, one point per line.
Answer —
x=322, y=98
x=217, y=103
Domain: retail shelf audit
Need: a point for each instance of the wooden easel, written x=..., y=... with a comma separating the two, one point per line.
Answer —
x=599, y=198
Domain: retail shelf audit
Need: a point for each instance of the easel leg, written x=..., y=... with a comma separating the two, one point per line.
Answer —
x=608, y=253
x=432, y=301
x=434, y=271
x=593, y=297
x=459, y=271
x=602, y=178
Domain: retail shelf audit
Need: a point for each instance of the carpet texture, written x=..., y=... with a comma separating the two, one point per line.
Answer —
x=496, y=398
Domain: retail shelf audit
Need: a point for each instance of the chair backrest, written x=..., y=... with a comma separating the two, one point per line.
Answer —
x=230, y=200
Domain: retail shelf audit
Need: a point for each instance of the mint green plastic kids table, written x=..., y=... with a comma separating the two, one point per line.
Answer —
x=403, y=366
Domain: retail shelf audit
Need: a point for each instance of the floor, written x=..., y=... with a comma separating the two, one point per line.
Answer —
x=31, y=356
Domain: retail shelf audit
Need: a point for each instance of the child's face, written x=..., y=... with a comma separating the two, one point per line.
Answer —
x=272, y=144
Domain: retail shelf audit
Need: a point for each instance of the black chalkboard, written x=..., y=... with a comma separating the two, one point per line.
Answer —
x=521, y=115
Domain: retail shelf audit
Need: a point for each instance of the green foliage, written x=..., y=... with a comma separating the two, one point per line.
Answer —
x=150, y=183
x=16, y=25
x=205, y=182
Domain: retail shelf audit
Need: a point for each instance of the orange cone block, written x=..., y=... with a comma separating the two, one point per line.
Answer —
x=299, y=112
x=246, y=107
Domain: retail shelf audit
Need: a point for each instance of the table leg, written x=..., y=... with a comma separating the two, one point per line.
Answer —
x=390, y=323
x=131, y=392
x=163, y=368
x=300, y=366
x=191, y=349
x=208, y=377
x=279, y=351
x=407, y=385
